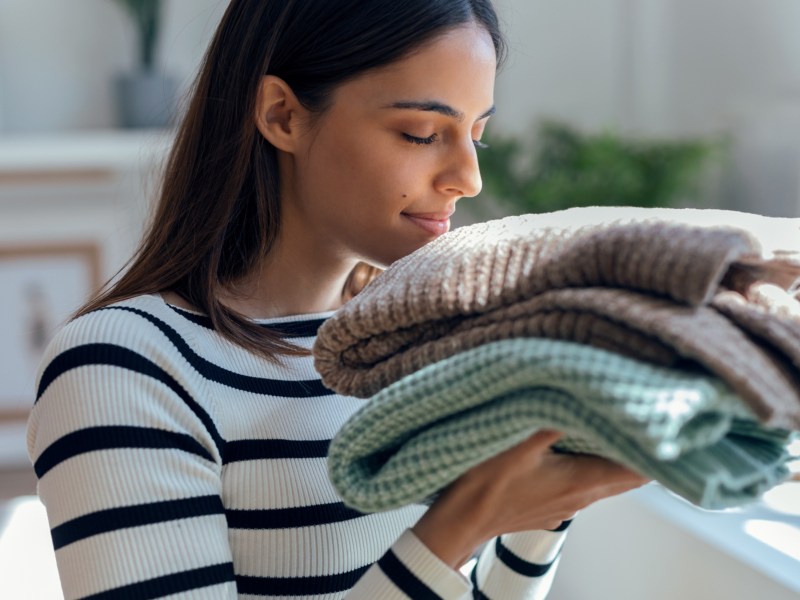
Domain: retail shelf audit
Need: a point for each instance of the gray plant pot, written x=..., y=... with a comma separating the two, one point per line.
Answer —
x=146, y=99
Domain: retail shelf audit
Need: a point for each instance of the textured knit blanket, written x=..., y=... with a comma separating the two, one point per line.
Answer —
x=685, y=430
x=673, y=286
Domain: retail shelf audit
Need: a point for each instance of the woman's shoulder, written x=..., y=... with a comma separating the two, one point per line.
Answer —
x=144, y=324
x=124, y=363
x=145, y=315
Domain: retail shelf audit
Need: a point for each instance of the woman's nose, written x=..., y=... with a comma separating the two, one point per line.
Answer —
x=461, y=174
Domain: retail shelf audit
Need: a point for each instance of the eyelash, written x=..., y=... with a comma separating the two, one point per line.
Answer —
x=431, y=139
x=421, y=141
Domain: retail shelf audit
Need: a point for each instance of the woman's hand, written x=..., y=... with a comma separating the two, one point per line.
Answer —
x=527, y=487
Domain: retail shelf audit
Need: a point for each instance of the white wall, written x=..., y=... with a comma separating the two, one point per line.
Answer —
x=659, y=66
x=58, y=58
x=565, y=61
x=731, y=57
x=734, y=65
x=663, y=66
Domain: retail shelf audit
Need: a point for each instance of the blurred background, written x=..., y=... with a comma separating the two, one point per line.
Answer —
x=650, y=102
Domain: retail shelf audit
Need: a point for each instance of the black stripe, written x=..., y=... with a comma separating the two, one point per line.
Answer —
x=297, y=329
x=294, y=329
x=299, y=586
x=109, y=354
x=239, y=450
x=517, y=564
x=296, y=516
x=308, y=388
x=411, y=585
x=114, y=436
x=70, y=359
x=167, y=585
x=563, y=526
x=113, y=519
x=476, y=593
x=201, y=320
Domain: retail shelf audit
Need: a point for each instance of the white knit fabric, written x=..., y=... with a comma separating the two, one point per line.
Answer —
x=175, y=464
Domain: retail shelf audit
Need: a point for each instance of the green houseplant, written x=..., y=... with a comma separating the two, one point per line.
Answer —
x=146, y=97
x=565, y=168
x=147, y=16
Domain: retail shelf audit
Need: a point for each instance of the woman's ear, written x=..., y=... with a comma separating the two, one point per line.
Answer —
x=279, y=114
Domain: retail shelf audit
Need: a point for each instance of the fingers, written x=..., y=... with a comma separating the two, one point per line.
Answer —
x=580, y=479
x=529, y=486
x=591, y=470
x=531, y=449
x=623, y=476
x=520, y=460
x=541, y=440
x=602, y=471
x=618, y=480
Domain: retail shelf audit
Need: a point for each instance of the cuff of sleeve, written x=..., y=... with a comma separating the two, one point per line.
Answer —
x=428, y=568
x=540, y=547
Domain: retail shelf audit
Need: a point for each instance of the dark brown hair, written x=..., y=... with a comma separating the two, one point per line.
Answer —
x=218, y=211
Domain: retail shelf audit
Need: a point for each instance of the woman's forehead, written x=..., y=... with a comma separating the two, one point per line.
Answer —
x=456, y=69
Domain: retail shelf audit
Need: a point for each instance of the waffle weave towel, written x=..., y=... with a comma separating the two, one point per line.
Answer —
x=672, y=286
x=685, y=430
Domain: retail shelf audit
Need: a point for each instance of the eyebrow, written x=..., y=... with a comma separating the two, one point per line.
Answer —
x=438, y=107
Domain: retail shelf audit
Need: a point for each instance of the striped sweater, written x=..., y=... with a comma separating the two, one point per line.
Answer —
x=173, y=463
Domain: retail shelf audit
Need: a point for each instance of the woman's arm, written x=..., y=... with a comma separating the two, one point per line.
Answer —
x=129, y=471
x=519, y=565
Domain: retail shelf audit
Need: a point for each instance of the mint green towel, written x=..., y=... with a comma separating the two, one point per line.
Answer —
x=686, y=430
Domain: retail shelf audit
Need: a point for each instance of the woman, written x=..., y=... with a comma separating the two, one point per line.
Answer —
x=180, y=430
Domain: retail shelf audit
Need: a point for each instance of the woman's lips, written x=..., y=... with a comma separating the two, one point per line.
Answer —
x=435, y=224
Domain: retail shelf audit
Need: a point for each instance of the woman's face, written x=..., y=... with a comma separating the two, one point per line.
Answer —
x=379, y=174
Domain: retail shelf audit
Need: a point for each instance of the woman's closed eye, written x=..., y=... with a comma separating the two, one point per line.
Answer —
x=424, y=141
x=421, y=140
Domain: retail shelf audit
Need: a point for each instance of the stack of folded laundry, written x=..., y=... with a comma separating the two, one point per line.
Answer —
x=667, y=340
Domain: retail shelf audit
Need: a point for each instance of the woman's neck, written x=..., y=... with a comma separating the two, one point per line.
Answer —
x=297, y=277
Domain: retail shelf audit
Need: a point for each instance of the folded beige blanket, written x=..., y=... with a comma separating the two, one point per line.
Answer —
x=677, y=287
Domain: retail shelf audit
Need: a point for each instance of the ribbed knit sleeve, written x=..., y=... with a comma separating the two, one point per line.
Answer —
x=410, y=570
x=129, y=468
x=519, y=566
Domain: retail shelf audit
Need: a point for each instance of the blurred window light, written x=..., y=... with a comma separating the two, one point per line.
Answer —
x=27, y=561
x=783, y=537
